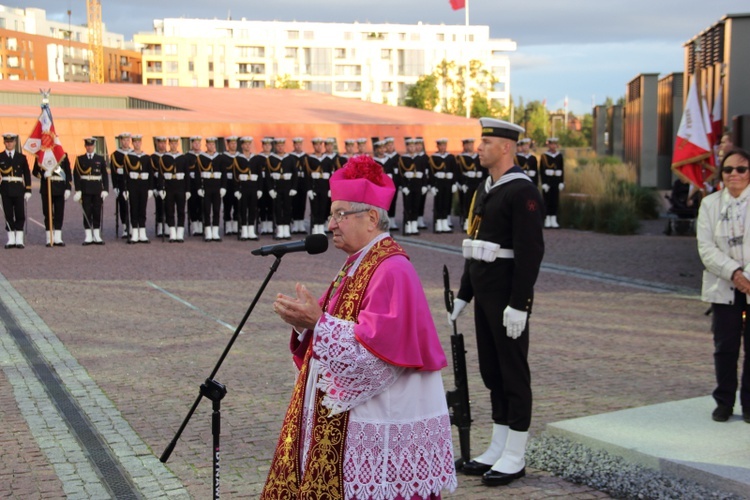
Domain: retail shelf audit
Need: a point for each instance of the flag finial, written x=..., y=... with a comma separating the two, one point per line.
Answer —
x=45, y=95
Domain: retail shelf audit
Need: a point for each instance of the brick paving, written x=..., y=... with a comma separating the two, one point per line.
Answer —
x=120, y=310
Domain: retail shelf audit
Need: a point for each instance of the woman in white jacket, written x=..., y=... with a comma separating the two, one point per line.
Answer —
x=724, y=247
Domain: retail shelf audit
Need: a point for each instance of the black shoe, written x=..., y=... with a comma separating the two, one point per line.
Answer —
x=474, y=468
x=722, y=413
x=746, y=415
x=497, y=478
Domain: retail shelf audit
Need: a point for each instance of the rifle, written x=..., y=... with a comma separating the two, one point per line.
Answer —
x=458, y=399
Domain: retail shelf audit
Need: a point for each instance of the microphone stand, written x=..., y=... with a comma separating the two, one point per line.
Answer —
x=215, y=391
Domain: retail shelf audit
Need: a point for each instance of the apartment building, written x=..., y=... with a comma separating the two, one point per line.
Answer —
x=371, y=62
x=33, y=47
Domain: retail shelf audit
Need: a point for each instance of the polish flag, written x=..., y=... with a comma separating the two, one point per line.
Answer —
x=691, y=159
x=44, y=143
x=457, y=4
x=717, y=123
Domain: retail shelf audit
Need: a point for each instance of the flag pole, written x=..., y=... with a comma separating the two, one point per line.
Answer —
x=468, y=63
x=49, y=212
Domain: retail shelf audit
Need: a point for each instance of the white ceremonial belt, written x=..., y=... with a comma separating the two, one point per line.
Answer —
x=315, y=175
x=253, y=177
x=217, y=175
x=409, y=175
x=326, y=175
x=230, y=175
x=13, y=179
x=179, y=176
x=479, y=174
x=549, y=171
x=56, y=178
x=275, y=176
x=420, y=175
x=144, y=177
x=133, y=175
x=168, y=177
x=531, y=173
x=287, y=177
x=207, y=175
x=470, y=174
x=390, y=175
x=440, y=175
x=243, y=177
x=301, y=174
x=192, y=175
x=558, y=173
x=120, y=171
x=449, y=175
x=485, y=251
x=91, y=177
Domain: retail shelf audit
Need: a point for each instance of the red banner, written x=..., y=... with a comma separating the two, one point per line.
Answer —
x=44, y=143
x=457, y=4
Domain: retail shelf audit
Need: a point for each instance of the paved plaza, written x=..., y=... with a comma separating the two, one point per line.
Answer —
x=117, y=340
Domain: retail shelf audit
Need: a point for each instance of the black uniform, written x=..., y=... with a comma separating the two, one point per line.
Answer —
x=391, y=170
x=471, y=173
x=117, y=166
x=282, y=180
x=265, y=203
x=511, y=216
x=212, y=181
x=90, y=179
x=248, y=174
x=174, y=181
x=552, y=175
x=60, y=181
x=299, y=201
x=423, y=167
x=530, y=166
x=195, y=203
x=228, y=161
x=443, y=174
x=410, y=182
x=15, y=183
x=318, y=175
x=139, y=182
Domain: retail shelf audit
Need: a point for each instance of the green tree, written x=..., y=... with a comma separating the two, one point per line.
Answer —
x=285, y=82
x=424, y=94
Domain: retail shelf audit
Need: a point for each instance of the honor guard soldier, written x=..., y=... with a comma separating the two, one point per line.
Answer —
x=470, y=174
x=527, y=161
x=503, y=255
x=552, y=177
x=195, y=202
x=282, y=186
x=248, y=176
x=443, y=173
x=299, y=201
x=362, y=146
x=117, y=171
x=92, y=188
x=317, y=186
x=228, y=160
x=174, y=189
x=391, y=170
x=139, y=187
x=265, y=203
x=59, y=181
x=212, y=189
x=423, y=166
x=160, y=143
x=15, y=189
x=342, y=158
x=410, y=181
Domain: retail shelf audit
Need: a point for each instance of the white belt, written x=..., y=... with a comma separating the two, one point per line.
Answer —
x=211, y=175
x=230, y=175
x=91, y=177
x=13, y=179
x=558, y=173
x=409, y=175
x=275, y=176
x=531, y=173
x=144, y=177
x=120, y=171
x=440, y=175
x=326, y=175
x=179, y=176
x=134, y=175
x=168, y=177
x=420, y=175
x=192, y=175
x=470, y=174
x=315, y=175
x=549, y=171
x=287, y=177
x=156, y=174
x=300, y=173
x=485, y=250
x=449, y=175
x=390, y=175
x=243, y=177
x=56, y=178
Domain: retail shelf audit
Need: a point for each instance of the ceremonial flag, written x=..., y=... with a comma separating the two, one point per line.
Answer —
x=717, y=122
x=457, y=4
x=707, y=125
x=692, y=152
x=43, y=141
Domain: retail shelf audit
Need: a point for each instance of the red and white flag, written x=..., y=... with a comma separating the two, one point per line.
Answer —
x=44, y=143
x=708, y=125
x=691, y=159
x=717, y=120
x=457, y=4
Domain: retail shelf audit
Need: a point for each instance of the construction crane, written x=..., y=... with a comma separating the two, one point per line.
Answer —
x=96, y=46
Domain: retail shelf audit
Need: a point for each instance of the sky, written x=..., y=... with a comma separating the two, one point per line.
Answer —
x=585, y=50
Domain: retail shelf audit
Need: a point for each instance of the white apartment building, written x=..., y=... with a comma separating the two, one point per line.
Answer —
x=372, y=62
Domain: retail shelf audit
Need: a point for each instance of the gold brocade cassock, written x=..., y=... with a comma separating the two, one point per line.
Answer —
x=323, y=477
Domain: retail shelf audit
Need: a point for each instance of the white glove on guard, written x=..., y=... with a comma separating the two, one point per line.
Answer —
x=458, y=309
x=514, y=321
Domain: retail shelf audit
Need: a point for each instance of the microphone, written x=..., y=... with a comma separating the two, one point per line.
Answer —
x=313, y=244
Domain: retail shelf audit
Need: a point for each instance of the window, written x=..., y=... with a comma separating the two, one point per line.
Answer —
x=248, y=51
x=210, y=66
x=193, y=50
x=292, y=35
x=245, y=69
x=348, y=70
x=290, y=52
x=414, y=37
x=402, y=36
x=153, y=81
x=348, y=86
x=170, y=49
x=499, y=87
x=172, y=82
x=171, y=67
x=348, y=35
x=441, y=37
x=385, y=53
x=340, y=53
x=2, y=22
x=191, y=66
x=257, y=85
x=386, y=86
x=12, y=62
x=12, y=44
x=153, y=67
x=308, y=35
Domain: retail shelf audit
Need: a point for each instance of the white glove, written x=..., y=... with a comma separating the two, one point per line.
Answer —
x=67, y=194
x=311, y=194
x=545, y=187
x=454, y=188
x=150, y=194
x=104, y=195
x=562, y=186
x=405, y=190
x=188, y=194
x=272, y=194
x=125, y=195
x=465, y=188
x=237, y=195
x=514, y=321
x=27, y=196
x=434, y=191
x=163, y=194
x=201, y=193
x=424, y=189
x=77, y=196
x=222, y=192
x=292, y=192
x=47, y=174
x=259, y=193
x=329, y=193
x=458, y=308
x=117, y=192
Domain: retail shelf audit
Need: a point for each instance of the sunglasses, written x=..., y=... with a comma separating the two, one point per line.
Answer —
x=740, y=170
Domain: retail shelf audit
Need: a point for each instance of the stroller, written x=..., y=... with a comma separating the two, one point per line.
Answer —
x=683, y=209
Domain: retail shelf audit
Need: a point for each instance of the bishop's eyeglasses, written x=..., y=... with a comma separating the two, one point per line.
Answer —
x=341, y=215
